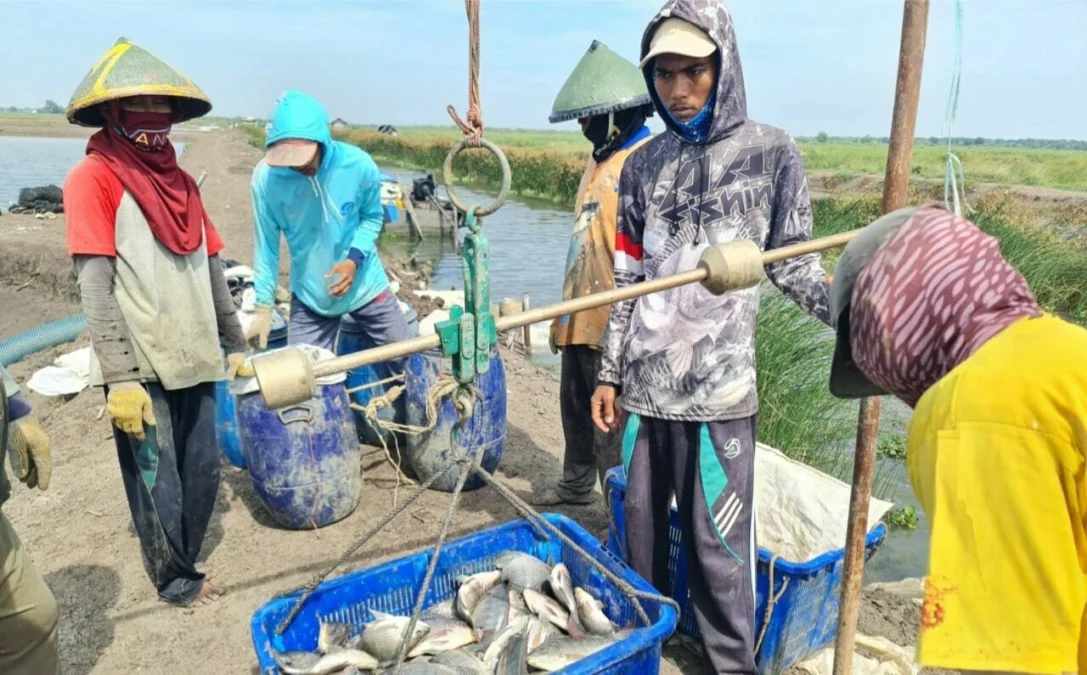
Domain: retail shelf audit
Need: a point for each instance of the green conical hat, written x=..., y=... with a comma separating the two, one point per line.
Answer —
x=128, y=70
x=603, y=82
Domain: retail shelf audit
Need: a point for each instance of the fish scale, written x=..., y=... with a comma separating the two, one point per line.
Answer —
x=524, y=571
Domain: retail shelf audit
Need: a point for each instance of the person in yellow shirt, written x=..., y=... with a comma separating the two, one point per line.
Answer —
x=607, y=95
x=927, y=309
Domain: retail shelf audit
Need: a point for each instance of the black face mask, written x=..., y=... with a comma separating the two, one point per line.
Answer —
x=607, y=139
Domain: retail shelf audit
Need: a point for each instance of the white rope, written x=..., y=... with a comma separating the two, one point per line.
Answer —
x=954, y=179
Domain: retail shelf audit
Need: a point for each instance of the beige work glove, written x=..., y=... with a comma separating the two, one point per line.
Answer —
x=553, y=337
x=129, y=408
x=28, y=450
x=257, y=335
x=237, y=367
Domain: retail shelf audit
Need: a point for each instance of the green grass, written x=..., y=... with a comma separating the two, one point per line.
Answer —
x=1065, y=169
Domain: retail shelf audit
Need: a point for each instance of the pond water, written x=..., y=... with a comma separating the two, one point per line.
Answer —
x=27, y=161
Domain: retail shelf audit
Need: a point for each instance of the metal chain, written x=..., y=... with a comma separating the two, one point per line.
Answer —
x=531, y=514
x=308, y=589
x=466, y=470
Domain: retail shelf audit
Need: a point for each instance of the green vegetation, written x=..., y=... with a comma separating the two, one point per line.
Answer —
x=554, y=154
x=892, y=447
x=903, y=518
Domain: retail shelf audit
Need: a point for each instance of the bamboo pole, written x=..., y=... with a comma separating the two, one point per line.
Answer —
x=895, y=189
x=528, y=326
x=404, y=348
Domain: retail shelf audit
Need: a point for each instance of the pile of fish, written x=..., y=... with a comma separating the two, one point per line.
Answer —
x=525, y=616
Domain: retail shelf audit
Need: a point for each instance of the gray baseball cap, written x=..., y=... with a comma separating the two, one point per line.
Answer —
x=846, y=380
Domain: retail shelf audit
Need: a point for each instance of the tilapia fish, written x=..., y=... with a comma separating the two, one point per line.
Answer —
x=332, y=636
x=549, y=609
x=420, y=668
x=507, y=654
x=562, y=587
x=447, y=609
x=444, y=635
x=461, y=661
x=592, y=614
x=309, y=663
x=561, y=651
x=518, y=608
x=472, y=590
x=381, y=637
x=491, y=615
x=522, y=571
x=539, y=631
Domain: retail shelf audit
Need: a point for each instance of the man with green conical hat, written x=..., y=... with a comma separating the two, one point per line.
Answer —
x=607, y=95
x=157, y=305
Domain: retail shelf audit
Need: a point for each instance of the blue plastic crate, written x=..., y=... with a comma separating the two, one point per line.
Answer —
x=804, y=619
x=391, y=587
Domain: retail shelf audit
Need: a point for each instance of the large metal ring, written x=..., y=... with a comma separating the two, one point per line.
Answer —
x=503, y=163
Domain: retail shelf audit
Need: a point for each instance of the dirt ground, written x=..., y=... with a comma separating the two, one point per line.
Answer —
x=79, y=532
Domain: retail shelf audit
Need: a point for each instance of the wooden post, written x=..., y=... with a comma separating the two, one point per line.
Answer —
x=895, y=189
x=528, y=327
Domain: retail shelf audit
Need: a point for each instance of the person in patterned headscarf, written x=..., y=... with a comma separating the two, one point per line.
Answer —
x=926, y=309
x=684, y=360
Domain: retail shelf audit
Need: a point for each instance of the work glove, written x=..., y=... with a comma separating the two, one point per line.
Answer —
x=237, y=367
x=553, y=337
x=28, y=450
x=257, y=335
x=129, y=408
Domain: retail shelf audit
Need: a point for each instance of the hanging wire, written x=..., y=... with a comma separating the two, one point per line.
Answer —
x=954, y=178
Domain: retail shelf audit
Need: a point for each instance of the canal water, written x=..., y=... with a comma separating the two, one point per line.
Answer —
x=528, y=245
x=27, y=161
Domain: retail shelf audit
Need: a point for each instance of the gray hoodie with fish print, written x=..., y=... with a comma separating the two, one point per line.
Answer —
x=685, y=354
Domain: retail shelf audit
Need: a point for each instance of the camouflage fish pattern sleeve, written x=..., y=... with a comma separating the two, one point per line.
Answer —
x=628, y=267
x=801, y=279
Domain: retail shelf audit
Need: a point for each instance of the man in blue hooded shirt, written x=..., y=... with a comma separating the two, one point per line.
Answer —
x=324, y=196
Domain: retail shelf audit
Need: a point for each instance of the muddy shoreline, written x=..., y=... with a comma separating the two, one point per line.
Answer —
x=79, y=532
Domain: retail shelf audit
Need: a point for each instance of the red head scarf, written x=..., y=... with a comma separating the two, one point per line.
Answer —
x=138, y=151
x=930, y=296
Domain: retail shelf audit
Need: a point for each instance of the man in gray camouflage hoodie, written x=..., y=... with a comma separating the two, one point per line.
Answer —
x=684, y=360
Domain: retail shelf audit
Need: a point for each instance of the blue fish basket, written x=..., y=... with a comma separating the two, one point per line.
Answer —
x=391, y=587
x=802, y=619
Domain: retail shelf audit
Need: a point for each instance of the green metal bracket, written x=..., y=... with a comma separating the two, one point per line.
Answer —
x=469, y=335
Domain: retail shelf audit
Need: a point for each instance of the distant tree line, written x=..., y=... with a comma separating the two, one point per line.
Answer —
x=958, y=141
x=51, y=107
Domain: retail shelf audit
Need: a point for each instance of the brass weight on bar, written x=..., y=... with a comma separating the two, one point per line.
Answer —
x=287, y=377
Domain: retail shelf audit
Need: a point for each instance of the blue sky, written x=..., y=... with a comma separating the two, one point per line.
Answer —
x=810, y=65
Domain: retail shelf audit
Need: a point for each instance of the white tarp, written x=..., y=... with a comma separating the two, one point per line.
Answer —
x=69, y=374
x=873, y=656
x=800, y=512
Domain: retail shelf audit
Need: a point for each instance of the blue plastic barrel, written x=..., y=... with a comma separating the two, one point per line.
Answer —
x=352, y=339
x=226, y=405
x=484, y=432
x=304, y=459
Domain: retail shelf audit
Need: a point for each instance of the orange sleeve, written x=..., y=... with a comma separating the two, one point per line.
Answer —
x=92, y=194
x=212, y=241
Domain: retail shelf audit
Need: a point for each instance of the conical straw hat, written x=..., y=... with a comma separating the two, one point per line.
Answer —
x=603, y=82
x=129, y=70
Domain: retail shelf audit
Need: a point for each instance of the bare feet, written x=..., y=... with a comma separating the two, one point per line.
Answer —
x=208, y=571
x=207, y=595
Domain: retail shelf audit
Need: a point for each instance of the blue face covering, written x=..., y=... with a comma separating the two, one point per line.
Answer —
x=696, y=130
